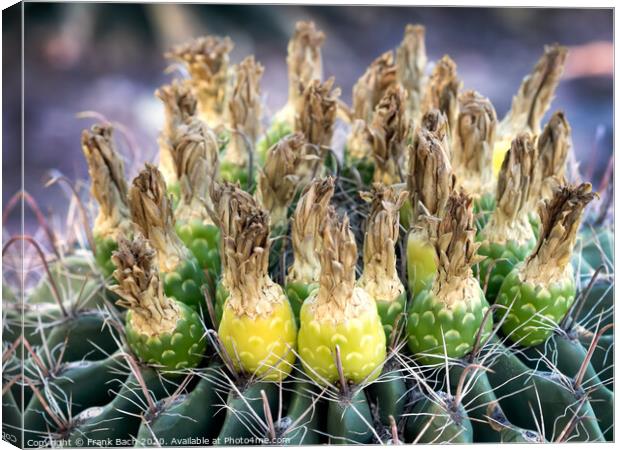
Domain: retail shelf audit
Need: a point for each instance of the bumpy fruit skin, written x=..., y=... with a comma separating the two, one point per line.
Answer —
x=297, y=293
x=183, y=348
x=103, y=256
x=431, y=321
x=235, y=174
x=537, y=308
x=278, y=130
x=203, y=240
x=262, y=346
x=184, y=284
x=421, y=264
x=361, y=342
x=483, y=208
x=389, y=311
x=500, y=260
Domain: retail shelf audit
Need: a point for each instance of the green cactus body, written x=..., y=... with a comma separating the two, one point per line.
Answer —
x=432, y=324
x=185, y=283
x=500, y=259
x=244, y=406
x=120, y=419
x=389, y=394
x=277, y=131
x=85, y=383
x=180, y=348
x=348, y=419
x=390, y=312
x=174, y=189
x=448, y=425
x=535, y=308
x=301, y=424
x=297, y=292
x=82, y=337
x=421, y=264
x=187, y=420
x=203, y=240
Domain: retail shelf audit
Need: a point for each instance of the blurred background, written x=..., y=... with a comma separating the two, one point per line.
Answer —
x=107, y=58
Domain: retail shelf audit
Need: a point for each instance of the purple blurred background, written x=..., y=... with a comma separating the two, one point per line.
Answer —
x=108, y=58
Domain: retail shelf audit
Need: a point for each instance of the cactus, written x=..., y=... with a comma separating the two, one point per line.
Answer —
x=538, y=294
x=325, y=323
x=507, y=238
x=257, y=327
x=161, y=331
x=444, y=320
x=151, y=211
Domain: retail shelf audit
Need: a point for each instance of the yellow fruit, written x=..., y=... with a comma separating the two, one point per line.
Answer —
x=263, y=346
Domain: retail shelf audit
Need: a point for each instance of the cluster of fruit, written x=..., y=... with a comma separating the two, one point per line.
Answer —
x=222, y=298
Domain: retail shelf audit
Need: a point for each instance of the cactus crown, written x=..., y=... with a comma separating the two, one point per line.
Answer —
x=429, y=179
x=316, y=112
x=280, y=177
x=472, y=143
x=380, y=277
x=455, y=246
x=244, y=110
x=410, y=66
x=514, y=193
x=245, y=251
x=304, y=58
x=388, y=134
x=195, y=154
x=109, y=187
x=337, y=297
x=535, y=93
x=442, y=90
x=207, y=61
x=307, y=229
x=151, y=211
x=372, y=86
x=140, y=288
x=560, y=219
x=553, y=147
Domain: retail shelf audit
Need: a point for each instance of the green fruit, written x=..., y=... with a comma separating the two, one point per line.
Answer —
x=236, y=174
x=105, y=246
x=421, y=263
x=536, y=309
x=391, y=312
x=499, y=262
x=297, y=293
x=483, y=209
x=185, y=283
x=278, y=131
x=433, y=324
x=203, y=240
x=181, y=348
